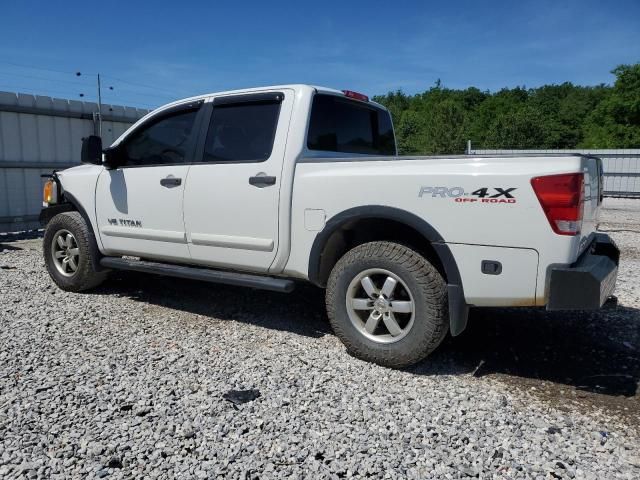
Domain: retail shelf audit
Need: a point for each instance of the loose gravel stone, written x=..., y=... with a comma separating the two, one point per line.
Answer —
x=128, y=382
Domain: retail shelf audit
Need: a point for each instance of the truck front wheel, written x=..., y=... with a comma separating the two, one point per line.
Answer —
x=387, y=304
x=68, y=250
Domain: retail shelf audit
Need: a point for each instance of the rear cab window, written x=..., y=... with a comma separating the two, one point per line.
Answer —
x=341, y=125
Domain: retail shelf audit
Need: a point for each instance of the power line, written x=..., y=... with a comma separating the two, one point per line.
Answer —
x=152, y=95
x=120, y=100
x=165, y=96
x=43, y=78
x=171, y=92
x=159, y=93
x=67, y=72
x=37, y=68
x=67, y=96
x=16, y=89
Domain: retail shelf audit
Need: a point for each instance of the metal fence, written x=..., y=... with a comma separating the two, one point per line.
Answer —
x=39, y=134
x=621, y=168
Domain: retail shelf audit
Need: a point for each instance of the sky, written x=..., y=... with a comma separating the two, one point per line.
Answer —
x=153, y=52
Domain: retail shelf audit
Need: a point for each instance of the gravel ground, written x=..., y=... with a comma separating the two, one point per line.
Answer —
x=132, y=381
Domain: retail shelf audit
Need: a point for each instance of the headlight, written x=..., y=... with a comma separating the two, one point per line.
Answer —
x=50, y=193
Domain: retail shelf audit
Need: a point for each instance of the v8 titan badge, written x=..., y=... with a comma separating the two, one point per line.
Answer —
x=481, y=195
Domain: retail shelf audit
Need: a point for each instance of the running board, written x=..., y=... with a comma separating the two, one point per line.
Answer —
x=198, y=273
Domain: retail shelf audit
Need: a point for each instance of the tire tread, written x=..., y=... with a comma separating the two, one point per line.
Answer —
x=86, y=277
x=431, y=284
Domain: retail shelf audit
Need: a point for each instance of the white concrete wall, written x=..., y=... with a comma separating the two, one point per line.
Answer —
x=50, y=137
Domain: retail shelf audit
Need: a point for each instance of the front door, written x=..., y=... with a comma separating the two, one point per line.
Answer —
x=139, y=205
x=233, y=188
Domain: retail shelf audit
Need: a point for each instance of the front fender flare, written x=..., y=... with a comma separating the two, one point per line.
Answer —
x=72, y=204
x=47, y=213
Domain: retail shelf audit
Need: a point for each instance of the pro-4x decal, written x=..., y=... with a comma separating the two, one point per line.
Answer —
x=481, y=195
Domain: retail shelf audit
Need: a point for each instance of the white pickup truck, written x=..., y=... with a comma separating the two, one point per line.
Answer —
x=264, y=187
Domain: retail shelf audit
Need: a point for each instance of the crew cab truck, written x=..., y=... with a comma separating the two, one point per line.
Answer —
x=268, y=186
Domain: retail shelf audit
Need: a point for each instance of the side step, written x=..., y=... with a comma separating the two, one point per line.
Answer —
x=199, y=273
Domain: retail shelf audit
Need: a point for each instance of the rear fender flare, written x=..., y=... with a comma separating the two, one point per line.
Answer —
x=458, y=308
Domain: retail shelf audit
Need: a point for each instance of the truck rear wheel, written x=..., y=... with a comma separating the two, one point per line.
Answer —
x=69, y=248
x=387, y=304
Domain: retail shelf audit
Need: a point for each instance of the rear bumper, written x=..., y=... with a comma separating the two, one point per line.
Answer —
x=588, y=283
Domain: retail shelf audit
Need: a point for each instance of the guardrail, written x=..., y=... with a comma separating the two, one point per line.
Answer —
x=621, y=168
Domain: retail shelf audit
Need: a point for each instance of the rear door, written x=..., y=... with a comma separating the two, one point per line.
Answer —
x=233, y=188
x=139, y=205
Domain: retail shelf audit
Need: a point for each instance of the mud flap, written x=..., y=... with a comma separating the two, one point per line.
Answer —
x=458, y=310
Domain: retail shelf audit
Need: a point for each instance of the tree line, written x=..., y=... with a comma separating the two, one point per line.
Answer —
x=441, y=120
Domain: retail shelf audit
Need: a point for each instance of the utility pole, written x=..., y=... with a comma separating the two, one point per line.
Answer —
x=99, y=100
x=99, y=108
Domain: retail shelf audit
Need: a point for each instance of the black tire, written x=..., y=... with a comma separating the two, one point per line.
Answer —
x=85, y=276
x=425, y=285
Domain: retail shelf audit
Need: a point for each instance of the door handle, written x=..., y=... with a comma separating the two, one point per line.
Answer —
x=171, y=181
x=262, y=180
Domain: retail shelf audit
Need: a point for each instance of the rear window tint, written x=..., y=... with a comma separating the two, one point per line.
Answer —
x=242, y=132
x=342, y=125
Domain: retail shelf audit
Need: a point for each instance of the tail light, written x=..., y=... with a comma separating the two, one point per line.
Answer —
x=358, y=96
x=562, y=199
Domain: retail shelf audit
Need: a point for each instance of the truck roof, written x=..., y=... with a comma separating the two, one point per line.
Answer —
x=294, y=86
x=297, y=87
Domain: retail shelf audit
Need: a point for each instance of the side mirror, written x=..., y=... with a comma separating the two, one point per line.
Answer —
x=113, y=158
x=91, y=150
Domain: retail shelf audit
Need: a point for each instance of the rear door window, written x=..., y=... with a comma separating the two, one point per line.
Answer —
x=342, y=125
x=242, y=132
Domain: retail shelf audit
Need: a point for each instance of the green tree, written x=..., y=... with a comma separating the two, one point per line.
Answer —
x=445, y=129
x=397, y=102
x=408, y=134
x=501, y=103
x=615, y=122
x=519, y=129
x=440, y=119
x=564, y=108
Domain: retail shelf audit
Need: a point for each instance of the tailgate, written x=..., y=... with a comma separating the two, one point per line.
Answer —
x=593, y=188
